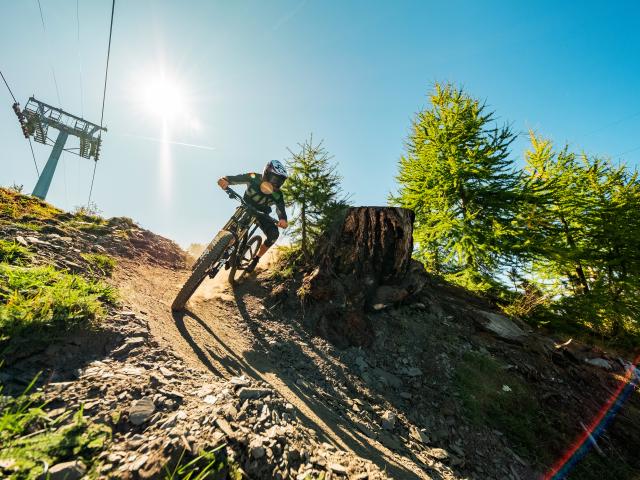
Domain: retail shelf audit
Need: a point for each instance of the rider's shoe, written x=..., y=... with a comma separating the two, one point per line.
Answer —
x=252, y=265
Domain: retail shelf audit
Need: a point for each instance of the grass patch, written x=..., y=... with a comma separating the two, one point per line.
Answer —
x=100, y=263
x=288, y=262
x=28, y=437
x=13, y=253
x=497, y=398
x=208, y=464
x=17, y=207
x=43, y=300
x=98, y=227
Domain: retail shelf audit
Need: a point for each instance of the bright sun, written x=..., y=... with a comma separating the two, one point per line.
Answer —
x=162, y=96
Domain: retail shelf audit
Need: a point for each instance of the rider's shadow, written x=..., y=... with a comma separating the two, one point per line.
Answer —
x=229, y=361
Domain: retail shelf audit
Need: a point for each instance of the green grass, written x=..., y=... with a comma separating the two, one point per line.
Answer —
x=480, y=380
x=42, y=300
x=210, y=464
x=100, y=263
x=288, y=262
x=28, y=437
x=17, y=207
x=13, y=253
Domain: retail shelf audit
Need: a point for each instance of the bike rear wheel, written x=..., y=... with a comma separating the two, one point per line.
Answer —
x=243, y=258
x=209, y=257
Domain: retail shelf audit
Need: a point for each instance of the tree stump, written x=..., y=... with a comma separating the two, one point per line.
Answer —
x=364, y=264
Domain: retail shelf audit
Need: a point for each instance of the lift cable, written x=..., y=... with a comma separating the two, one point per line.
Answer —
x=104, y=96
x=16, y=101
x=80, y=58
x=8, y=87
x=53, y=72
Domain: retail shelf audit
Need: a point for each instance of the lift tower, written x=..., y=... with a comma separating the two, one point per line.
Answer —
x=36, y=119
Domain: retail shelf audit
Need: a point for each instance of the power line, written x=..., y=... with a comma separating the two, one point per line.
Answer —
x=8, y=87
x=104, y=96
x=80, y=58
x=53, y=72
x=33, y=155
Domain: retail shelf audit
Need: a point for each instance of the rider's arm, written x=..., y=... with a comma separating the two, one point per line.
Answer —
x=243, y=178
x=280, y=211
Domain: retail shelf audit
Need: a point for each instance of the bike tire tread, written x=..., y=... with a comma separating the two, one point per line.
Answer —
x=211, y=255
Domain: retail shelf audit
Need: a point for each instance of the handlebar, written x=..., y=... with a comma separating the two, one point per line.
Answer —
x=234, y=195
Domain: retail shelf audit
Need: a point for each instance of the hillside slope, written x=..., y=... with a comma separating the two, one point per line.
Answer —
x=449, y=390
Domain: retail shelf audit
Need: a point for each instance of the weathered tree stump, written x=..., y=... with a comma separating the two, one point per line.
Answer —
x=363, y=265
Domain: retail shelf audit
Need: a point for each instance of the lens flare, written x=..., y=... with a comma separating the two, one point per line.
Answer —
x=596, y=428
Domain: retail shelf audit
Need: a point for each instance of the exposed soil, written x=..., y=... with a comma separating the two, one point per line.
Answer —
x=447, y=389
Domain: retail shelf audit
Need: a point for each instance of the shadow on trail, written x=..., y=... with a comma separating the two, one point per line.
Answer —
x=342, y=428
x=221, y=347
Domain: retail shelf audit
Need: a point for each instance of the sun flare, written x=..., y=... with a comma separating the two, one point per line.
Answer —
x=163, y=97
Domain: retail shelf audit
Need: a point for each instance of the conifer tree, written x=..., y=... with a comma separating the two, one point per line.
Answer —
x=457, y=178
x=313, y=190
x=580, y=229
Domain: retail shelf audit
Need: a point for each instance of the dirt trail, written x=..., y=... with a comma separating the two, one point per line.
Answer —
x=228, y=332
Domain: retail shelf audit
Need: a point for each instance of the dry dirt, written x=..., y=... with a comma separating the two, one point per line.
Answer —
x=221, y=332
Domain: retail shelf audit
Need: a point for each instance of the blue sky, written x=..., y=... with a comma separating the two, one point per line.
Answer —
x=257, y=77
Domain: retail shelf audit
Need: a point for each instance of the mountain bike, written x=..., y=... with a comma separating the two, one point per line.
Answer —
x=232, y=249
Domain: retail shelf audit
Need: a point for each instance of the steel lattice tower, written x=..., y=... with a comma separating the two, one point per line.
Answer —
x=36, y=119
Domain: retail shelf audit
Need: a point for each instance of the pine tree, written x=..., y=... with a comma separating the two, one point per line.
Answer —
x=457, y=178
x=313, y=190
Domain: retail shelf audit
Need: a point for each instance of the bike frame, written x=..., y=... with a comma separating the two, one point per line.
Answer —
x=242, y=225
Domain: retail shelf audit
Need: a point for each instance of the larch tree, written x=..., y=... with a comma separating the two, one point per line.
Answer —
x=457, y=178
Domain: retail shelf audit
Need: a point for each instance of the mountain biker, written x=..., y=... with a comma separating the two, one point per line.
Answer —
x=262, y=192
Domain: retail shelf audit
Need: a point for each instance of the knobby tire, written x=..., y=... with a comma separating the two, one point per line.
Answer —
x=210, y=256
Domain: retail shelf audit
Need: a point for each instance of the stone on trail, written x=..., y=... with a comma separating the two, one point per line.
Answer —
x=240, y=381
x=256, y=449
x=419, y=435
x=139, y=463
x=141, y=410
x=500, y=326
x=128, y=345
x=67, y=471
x=246, y=392
x=224, y=426
x=387, y=378
x=337, y=468
x=599, y=362
x=438, y=453
x=388, y=420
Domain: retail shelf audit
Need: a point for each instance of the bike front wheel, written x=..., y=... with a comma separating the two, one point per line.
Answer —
x=209, y=257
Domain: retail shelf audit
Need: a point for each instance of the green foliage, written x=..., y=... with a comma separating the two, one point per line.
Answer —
x=497, y=398
x=13, y=253
x=579, y=230
x=28, y=437
x=15, y=207
x=41, y=300
x=17, y=188
x=457, y=179
x=289, y=259
x=99, y=263
x=313, y=190
x=209, y=464
x=90, y=210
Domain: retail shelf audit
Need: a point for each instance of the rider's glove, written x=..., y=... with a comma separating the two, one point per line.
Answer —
x=224, y=183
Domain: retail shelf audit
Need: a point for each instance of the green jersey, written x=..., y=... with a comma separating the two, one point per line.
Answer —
x=254, y=196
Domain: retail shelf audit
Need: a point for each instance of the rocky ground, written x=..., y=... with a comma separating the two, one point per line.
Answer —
x=239, y=370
